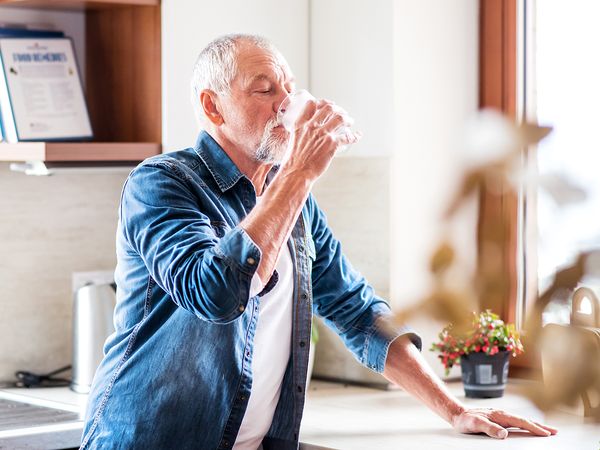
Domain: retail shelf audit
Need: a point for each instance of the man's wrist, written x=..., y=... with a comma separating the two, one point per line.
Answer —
x=297, y=175
x=455, y=411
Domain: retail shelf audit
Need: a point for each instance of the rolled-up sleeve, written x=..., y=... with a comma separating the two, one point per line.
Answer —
x=347, y=303
x=206, y=274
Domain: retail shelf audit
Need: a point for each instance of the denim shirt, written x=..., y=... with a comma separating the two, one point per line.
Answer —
x=177, y=370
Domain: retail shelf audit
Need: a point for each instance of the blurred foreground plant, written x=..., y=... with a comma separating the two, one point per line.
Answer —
x=498, y=145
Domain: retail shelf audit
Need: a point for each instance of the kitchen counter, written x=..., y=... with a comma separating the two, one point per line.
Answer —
x=349, y=417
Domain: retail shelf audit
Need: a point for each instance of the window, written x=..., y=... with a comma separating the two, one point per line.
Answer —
x=561, y=88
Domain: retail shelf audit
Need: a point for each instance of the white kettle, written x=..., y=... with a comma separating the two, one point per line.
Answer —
x=93, y=308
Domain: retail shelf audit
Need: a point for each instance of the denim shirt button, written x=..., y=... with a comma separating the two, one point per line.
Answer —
x=299, y=388
x=251, y=260
x=302, y=343
x=242, y=308
x=304, y=296
x=301, y=248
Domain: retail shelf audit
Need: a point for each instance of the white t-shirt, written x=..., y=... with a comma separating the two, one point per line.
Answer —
x=272, y=347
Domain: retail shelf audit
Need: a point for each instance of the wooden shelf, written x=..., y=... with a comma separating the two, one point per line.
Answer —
x=123, y=84
x=78, y=151
x=77, y=4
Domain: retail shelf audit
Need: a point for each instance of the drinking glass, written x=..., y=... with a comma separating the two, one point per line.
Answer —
x=293, y=105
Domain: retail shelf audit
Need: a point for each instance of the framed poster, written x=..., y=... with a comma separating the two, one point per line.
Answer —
x=41, y=96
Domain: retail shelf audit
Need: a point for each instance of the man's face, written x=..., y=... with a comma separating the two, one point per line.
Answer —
x=262, y=83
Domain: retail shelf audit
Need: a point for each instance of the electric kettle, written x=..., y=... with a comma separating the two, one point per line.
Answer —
x=93, y=307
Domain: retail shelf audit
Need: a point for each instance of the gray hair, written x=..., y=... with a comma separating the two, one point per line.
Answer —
x=216, y=66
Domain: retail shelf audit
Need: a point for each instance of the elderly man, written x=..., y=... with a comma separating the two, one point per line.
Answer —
x=223, y=256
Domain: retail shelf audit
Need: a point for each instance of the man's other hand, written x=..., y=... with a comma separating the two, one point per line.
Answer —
x=494, y=423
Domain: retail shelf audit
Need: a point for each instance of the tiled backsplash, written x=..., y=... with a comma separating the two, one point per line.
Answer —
x=355, y=195
x=49, y=227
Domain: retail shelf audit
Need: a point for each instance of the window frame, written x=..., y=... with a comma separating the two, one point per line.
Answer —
x=503, y=86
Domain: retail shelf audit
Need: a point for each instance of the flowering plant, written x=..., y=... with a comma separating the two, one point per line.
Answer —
x=489, y=334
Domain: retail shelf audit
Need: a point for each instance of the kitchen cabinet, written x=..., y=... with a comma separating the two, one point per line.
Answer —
x=122, y=82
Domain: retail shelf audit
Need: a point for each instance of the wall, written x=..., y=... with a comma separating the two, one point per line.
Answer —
x=188, y=26
x=355, y=194
x=435, y=90
x=50, y=227
x=407, y=72
x=351, y=63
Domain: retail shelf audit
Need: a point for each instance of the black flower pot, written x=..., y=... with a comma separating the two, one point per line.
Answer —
x=483, y=375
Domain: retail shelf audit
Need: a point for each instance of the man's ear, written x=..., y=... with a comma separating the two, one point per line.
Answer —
x=209, y=102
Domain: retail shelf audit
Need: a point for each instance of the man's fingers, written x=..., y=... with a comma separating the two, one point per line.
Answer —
x=508, y=420
x=495, y=423
x=322, y=115
x=552, y=430
x=333, y=122
x=309, y=111
x=348, y=137
x=492, y=429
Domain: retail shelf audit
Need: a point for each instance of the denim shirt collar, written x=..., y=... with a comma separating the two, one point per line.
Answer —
x=219, y=164
x=224, y=171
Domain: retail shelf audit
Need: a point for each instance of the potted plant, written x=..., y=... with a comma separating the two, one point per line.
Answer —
x=483, y=353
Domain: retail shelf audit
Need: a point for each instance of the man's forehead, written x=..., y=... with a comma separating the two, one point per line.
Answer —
x=255, y=64
x=261, y=76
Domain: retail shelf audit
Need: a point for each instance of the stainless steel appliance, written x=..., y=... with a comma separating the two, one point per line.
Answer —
x=93, y=307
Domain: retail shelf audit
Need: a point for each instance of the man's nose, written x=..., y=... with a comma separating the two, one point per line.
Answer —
x=281, y=102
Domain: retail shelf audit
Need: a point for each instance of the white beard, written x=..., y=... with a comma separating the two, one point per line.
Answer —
x=272, y=148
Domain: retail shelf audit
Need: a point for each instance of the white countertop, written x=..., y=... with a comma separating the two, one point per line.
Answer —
x=351, y=417
x=364, y=418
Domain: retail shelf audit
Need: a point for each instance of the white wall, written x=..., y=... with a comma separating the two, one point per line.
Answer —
x=188, y=26
x=406, y=70
x=435, y=90
x=351, y=63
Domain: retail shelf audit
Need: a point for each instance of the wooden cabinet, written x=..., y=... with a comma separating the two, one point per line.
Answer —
x=122, y=80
